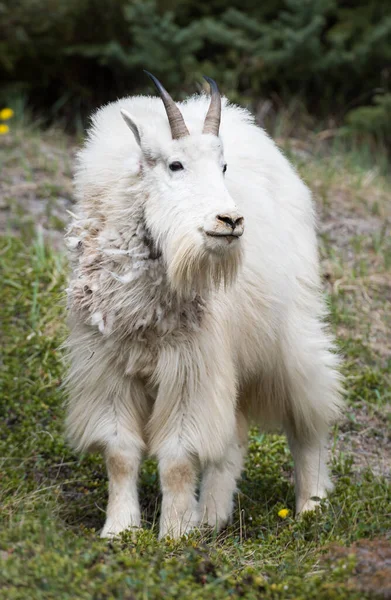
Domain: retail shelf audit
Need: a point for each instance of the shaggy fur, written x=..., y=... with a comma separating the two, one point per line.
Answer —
x=179, y=340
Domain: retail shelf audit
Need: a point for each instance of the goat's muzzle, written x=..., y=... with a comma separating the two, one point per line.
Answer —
x=228, y=225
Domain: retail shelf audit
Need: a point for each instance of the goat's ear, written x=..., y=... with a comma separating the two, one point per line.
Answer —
x=132, y=125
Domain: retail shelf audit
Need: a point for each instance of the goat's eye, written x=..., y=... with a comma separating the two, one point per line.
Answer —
x=225, y=168
x=176, y=166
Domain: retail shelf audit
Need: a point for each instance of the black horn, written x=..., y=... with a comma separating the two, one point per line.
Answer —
x=175, y=118
x=213, y=116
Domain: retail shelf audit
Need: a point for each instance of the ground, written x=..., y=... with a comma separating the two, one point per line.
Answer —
x=52, y=501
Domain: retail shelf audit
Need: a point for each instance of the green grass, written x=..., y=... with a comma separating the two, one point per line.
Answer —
x=52, y=501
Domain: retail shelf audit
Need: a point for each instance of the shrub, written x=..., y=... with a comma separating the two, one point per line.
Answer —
x=69, y=57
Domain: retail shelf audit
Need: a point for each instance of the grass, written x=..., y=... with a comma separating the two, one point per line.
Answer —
x=53, y=501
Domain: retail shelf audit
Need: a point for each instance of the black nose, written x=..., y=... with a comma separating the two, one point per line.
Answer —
x=229, y=221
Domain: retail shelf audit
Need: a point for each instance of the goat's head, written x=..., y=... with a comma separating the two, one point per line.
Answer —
x=189, y=212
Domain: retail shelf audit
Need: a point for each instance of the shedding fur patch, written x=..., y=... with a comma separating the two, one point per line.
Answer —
x=119, y=281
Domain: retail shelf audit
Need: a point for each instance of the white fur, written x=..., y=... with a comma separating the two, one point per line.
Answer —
x=179, y=339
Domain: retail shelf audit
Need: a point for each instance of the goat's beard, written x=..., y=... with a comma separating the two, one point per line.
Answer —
x=193, y=268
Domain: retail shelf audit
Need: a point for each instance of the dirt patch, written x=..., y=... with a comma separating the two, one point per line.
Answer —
x=367, y=441
x=372, y=570
x=36, y=185
x=355, y=230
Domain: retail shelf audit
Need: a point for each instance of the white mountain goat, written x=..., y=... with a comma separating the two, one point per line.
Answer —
x=195, y=307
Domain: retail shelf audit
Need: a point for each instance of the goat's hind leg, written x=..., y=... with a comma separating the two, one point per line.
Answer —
x=312, y=404
x=306, y=428
x=312, y=481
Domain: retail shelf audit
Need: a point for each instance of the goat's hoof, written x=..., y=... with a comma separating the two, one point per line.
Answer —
x=310, y=505
x=175, y=529
x=113, y=530
x=216, y=522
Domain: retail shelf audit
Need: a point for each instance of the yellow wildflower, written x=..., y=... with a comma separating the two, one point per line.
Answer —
x=4, y=129
x=283, y=513
x=6, y=113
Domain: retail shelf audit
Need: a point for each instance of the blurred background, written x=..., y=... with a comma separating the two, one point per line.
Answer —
x=326, y=62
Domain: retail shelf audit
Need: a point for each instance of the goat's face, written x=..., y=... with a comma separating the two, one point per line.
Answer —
x=189, y=194
x=188, y=211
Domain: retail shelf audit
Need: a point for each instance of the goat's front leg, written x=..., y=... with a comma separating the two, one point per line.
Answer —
x=192, y=423
x=220, y=479
x=178, y=477
x=123, y=509
x=123, y=453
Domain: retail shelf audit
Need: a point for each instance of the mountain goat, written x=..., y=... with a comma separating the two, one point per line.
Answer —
x=194, y=307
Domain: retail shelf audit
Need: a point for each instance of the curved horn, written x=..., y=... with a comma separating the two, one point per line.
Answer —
x=175, y=118
x=213, y=116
